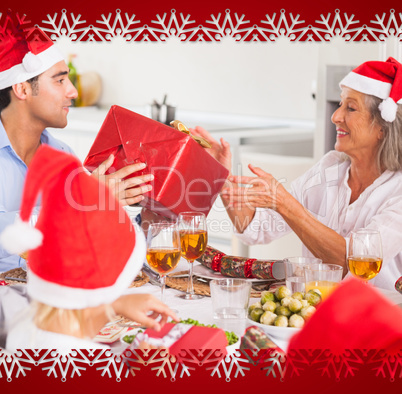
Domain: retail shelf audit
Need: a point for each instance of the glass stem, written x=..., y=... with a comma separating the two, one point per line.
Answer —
x=163, y=281
x=190, y=288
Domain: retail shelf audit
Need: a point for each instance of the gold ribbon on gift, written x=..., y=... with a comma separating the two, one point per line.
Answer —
x=180, y=126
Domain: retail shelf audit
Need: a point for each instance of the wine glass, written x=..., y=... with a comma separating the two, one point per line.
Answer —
x=163, y=249
x=193, y=240
x=365, y=254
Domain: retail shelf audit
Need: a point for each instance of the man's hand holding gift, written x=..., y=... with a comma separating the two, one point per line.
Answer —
x=127, y=191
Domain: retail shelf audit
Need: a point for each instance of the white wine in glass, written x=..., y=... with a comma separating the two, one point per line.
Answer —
x=163, y=249
x=365, y=254
x=193, y=242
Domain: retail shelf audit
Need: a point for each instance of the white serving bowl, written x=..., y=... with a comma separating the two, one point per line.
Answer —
x=282, y=333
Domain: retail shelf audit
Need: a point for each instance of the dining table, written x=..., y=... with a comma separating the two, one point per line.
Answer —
x=202, y=311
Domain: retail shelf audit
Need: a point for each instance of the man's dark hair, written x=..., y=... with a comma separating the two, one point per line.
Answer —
x=5, y=97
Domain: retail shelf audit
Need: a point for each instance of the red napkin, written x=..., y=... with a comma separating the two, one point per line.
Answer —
x=355, y=316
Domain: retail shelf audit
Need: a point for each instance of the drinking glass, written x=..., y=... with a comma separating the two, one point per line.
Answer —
x=193, y=240
x=163, y=249
x=294, y=272
x=365, y=254
x=323, y=277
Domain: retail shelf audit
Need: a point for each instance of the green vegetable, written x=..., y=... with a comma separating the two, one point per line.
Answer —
x=253, y=306
x=267, y=318
x=286, y=301
x=230, y=336
x=307, y=311
x=281, y=321
x=312, y=297
x=295, y=305
x=283, y=310
x=256, y=314
x=298, y=295
x=269, y=306
x=267, y=296
x=130, y=338
x=282, y=292
x=296, y=321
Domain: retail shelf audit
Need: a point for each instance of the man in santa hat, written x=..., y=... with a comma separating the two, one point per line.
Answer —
x=35, y=93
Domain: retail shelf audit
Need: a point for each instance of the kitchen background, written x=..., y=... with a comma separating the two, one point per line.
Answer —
x=271, y=101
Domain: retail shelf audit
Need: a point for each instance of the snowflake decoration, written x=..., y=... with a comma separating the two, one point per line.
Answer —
x=67, y=365
x=221, y=27
x=335, y=26
x=339, y=365
x=15, y=364
x=227, y=27
x=111, y=365
x=386, y=28
x=297, y=362
x=117, y=27
x=282, y=27
x=165, y=27
x=65, y=26
x=232, y=365
x=387, y=365
x=164, y=364
x=273, y=363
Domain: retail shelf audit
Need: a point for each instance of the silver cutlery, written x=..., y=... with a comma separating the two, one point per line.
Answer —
x=15, y=279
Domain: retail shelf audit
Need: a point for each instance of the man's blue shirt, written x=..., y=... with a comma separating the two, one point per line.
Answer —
x=12, y=176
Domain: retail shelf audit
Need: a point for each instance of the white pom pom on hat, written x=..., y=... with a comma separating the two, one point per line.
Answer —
x=380, y=79
x=388, y=109
x=20, y=237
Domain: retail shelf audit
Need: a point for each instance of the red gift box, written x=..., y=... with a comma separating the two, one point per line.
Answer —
x=186, y=177
x=178, y=337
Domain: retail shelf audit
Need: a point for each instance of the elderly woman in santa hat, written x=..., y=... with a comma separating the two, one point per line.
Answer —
x=356, y=186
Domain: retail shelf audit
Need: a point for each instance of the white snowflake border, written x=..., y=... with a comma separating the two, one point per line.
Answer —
x=75, y=363
x=222, y=26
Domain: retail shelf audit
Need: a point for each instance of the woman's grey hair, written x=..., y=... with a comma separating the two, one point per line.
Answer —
x=390, y=150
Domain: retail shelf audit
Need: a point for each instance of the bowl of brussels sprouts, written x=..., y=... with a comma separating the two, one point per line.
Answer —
x=281, y=314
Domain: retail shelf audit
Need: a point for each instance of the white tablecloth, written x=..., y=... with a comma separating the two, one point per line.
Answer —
x=201, y=309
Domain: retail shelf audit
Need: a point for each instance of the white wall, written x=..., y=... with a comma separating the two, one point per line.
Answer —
x=266, y=79
x=262, y=79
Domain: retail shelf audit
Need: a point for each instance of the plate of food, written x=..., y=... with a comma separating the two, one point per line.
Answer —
x=233, y=340
x=282, y=314
x=206, y=273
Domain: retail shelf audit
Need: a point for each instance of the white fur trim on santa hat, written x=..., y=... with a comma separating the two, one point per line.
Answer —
x=20, y=237
x=75, y=298
x=32, y=66
x=366, y=85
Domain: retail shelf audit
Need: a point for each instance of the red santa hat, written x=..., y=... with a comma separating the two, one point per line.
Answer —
x=24, y=52
x=85, y=250
x=380, y=79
